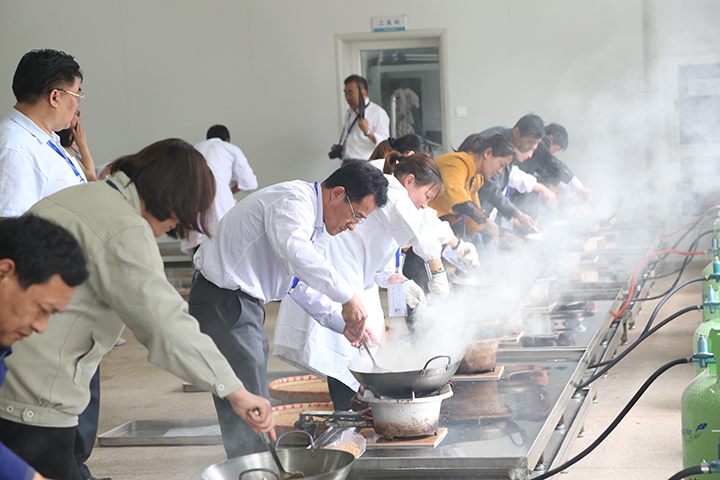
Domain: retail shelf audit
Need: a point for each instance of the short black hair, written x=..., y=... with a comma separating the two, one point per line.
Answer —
x=360, y=179
x=218, y=131
x=41, y=71
x=559, y=135
x=531, y=126
x=41, y=249
x=357, y=79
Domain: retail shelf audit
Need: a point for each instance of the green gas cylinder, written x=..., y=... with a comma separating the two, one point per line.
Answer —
x=712, y=270
x=700, y=406
x=711, y=318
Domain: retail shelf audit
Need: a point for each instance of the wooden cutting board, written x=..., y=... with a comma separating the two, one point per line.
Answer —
x=493, y=375
x=424, y=442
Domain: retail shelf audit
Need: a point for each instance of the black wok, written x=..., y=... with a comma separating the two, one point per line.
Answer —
x=404, y=384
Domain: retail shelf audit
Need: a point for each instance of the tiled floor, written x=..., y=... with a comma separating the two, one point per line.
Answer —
x=646, y=445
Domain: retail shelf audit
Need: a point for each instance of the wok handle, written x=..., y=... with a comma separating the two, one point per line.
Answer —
x=422, y=372
x=311, y=444
x=264, y=470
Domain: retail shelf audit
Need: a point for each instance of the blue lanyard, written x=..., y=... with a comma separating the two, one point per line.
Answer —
x=353, y=122
x=112, y=185
x=69, y=162
x=296, y=280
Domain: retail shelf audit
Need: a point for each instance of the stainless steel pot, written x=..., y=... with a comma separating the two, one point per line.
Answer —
x=404, y=384
x=406, y=417
x=314, y=463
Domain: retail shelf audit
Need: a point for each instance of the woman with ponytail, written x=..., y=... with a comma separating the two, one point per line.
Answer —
x=414, y=266
x=366, y=258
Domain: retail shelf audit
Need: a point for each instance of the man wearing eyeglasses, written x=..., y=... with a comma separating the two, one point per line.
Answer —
x=33, y=164
x=259, y=252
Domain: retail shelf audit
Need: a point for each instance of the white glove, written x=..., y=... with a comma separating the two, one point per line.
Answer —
x=467, y=253
x=439, y=287
x=414, y=294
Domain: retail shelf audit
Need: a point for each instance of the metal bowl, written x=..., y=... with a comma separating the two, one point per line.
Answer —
x=404, y=384
x=316, y=464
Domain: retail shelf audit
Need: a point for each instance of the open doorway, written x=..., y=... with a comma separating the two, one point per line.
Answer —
x=404, y=71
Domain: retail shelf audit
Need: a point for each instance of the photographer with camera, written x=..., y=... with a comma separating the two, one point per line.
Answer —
x=366, y=125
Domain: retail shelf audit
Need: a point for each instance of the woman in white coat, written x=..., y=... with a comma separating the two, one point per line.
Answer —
x=361, y=256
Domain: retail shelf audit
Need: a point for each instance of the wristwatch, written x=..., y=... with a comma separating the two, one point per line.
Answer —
x=368, y=133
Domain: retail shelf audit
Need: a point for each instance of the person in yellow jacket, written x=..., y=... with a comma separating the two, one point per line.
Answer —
x=463, y=174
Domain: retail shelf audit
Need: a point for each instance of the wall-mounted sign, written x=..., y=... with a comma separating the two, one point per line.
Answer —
x=389, y=23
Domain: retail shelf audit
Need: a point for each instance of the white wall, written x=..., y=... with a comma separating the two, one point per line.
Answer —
x=682, y=32
x=267, y=70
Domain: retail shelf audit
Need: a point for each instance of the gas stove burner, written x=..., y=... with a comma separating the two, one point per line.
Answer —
x=311, y=420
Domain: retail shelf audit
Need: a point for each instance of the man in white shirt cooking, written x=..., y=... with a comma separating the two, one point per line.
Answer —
x=258, y=252
x=363, y=128
x=33, y=164
x=227, y=162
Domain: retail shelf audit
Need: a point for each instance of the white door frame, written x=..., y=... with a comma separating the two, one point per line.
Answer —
x=347, y=62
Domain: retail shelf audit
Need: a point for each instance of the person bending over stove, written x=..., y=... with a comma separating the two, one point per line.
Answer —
x=165, y=188
x=255, y=251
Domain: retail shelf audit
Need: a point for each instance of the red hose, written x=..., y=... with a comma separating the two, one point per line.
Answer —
x=632, y=284
x=688, y=224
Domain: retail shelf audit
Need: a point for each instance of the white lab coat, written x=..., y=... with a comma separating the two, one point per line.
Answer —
x=361, y=258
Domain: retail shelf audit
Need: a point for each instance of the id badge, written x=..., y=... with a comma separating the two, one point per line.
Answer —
x=397, y=305
x=396, y=300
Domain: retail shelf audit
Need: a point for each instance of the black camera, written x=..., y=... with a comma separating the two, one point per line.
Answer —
x=336, y=151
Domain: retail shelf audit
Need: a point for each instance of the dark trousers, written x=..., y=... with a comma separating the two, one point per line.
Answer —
x=415, y=269
x=48, y=450
x=340, y=394
x=234, y=320
x=87, y=427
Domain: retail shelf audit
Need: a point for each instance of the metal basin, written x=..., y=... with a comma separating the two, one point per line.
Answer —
x=404, y=384
x=406, y=417
x=318, y=464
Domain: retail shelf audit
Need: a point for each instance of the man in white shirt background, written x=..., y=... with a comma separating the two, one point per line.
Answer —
x=362, y=131
x=33, y=164
x=260, y=251
x=232, y=174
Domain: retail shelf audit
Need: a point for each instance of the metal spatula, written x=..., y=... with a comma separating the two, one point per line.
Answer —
x=284, y=474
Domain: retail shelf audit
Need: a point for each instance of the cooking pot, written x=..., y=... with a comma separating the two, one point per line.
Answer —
x=404, y=384
x=406, y=417
x=314, y=463
x=480, y=356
